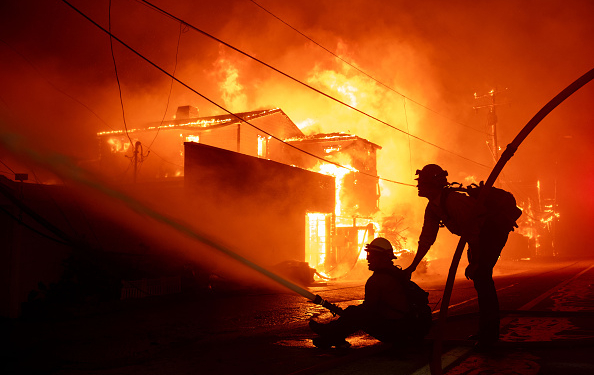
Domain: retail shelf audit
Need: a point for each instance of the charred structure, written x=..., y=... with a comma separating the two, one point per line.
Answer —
x=248, y=133
x=333, y=237
x=359, y=195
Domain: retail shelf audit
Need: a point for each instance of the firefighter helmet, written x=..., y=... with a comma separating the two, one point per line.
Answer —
x=382, y=246
x=432, y=174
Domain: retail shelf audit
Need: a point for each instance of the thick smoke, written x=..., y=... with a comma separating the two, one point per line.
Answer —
x=59, y=82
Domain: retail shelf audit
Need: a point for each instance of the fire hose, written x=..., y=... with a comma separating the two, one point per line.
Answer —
x=330, y=306
x=435, y=365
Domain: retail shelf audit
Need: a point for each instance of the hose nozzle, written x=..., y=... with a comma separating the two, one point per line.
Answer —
x=330, y=306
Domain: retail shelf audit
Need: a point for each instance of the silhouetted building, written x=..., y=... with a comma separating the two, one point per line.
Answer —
x=157, y=152
x=261, y=204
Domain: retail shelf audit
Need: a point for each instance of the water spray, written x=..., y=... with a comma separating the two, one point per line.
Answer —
x=66, y=169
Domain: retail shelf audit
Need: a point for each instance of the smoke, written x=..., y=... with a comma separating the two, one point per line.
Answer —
x=59, y=86
x=158, y=221
x=232, y=91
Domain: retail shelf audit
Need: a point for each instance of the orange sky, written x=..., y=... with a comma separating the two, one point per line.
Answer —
x=59, y=88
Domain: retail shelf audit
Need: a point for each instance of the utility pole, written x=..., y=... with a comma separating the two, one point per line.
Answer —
x=137, y=145
x=491, y=104
x=137, y=158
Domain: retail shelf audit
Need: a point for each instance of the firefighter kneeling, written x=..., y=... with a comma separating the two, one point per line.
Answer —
x=395, y=309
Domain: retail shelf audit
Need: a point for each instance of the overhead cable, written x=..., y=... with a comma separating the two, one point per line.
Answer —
x=301, y=82
x=352, y=65
x=10, y=169
x=54, y=86
x=21, y=222
x=181, y=27
x=218, y=105
x=6, y=191
x=115, y=67
x=408, y=138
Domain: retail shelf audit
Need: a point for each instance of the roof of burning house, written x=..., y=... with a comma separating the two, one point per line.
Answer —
x=207, y=122
x=331, y=138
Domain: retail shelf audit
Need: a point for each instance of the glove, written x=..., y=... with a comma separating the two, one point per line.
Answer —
x=407, y=272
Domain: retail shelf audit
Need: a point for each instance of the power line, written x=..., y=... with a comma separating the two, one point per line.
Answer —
x=300, y=82
x=352, y=65
x=21, y=222
x=117, y=77
x=409, y=147
x=8, y=194
x=166, y=161
x=216, y=104
x=181, y=27
x=4, y=164
x=54, y=86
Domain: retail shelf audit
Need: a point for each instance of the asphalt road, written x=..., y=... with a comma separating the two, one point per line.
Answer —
x=251, y=332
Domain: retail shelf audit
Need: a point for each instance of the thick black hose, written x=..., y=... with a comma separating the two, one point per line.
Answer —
x=330, y=306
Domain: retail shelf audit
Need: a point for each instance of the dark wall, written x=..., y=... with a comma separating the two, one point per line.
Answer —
x=60, y=244
x=261, y=204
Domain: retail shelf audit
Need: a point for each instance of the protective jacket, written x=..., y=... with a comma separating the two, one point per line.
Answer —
x=385, y=297
x=462, y=218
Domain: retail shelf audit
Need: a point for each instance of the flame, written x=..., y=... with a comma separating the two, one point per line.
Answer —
x=315, y=246
x=188, y=124
x=548, y=220
x=118, y=145
x=348, y=91
x=318, y=224
x=337, y=82
x=356, y=90
x=262, y=146
x=363, y=238
x=232, y=91
x=540, y=216
x=305, y=123
x=339, y=173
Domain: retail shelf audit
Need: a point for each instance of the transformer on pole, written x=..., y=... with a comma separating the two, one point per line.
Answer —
x=491, y=104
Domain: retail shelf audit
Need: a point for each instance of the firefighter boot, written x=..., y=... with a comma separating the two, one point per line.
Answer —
x=320, y=328
x=327, y=342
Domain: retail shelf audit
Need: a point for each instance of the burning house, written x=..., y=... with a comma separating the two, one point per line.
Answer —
x=333, y=236
x=158, y=149
x=261, y=204
x=358, y=193
x=336, y=240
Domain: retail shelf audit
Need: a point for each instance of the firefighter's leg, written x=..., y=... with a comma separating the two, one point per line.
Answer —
x=492, y=241
x=488, y=305
x=335, y=332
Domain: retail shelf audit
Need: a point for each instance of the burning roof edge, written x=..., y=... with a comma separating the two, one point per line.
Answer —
x=330, y=137
x=203, y=122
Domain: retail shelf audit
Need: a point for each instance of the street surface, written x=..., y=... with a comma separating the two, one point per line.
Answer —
x=266, y=332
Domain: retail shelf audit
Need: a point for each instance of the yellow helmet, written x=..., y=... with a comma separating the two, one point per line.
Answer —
x=381, y=245
x=432, y=174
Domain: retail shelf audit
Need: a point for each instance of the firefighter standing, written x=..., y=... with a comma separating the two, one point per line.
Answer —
x=386, y=313
x=486, y=238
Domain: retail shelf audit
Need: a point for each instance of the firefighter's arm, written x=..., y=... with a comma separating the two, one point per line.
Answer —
x=426, y=239
x=421, y=252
